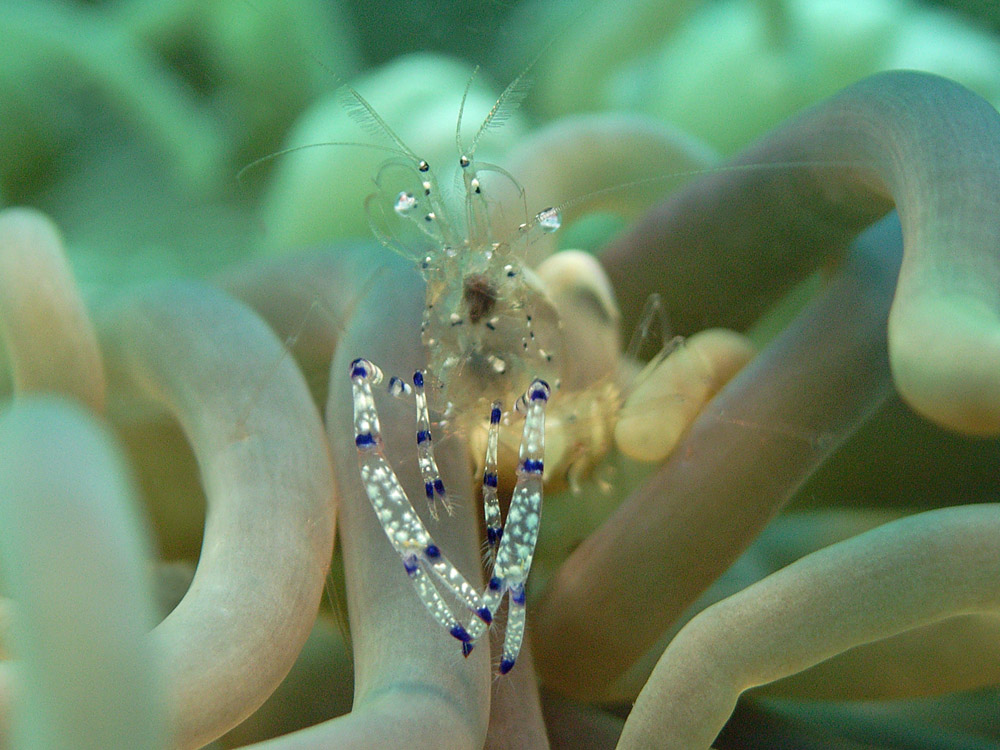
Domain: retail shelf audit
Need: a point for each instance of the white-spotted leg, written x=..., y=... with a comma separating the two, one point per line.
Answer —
x=491, y=506
x=433, y=486
x=520, y=532
x=422, y=558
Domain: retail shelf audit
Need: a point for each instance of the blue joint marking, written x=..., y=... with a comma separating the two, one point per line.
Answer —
x=506, y=665
x=483, y=613
x=457, y=631
x=410, y=563
x=532, y=466
x=423, y=436
x=493, y=536
x=439, y=487
x=495, y=415
x=517, y=594
x=418, y=379
x=432, y=551
x=364, y=440
x=429, y=490
x=358, y=369
x=467, y=649
x=490, y=479
x=541, y=393
x=495, y=584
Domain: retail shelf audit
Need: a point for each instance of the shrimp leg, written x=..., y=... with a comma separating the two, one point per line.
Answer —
x=520, y=532
x=423, y=560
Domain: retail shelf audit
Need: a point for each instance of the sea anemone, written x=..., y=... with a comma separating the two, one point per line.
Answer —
x=691, y=591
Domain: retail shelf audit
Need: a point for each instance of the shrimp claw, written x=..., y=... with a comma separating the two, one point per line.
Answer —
x=424, y=562
x=520, y=532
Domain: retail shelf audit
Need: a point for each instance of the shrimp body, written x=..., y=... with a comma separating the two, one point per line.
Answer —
x=491, y=326
x=488, y=325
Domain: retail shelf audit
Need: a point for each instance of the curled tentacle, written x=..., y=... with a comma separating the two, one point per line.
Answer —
x=915, y=140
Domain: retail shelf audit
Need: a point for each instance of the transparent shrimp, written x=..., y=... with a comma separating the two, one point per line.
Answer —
x=492, y=336
x=498, y=332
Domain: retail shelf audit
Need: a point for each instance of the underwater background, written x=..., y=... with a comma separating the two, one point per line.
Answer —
x=144, y=130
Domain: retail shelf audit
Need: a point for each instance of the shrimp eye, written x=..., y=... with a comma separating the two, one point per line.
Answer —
x=480, y=296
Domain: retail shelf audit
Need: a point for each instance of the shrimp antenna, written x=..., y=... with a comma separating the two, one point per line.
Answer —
x=665, y=178
x=505, y=105
x=285, y=151
x=511, y=97
x=461, y=110
x=359, y=110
